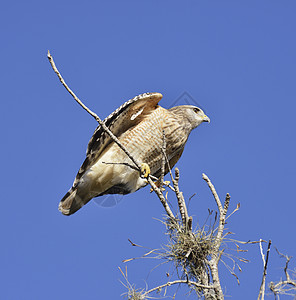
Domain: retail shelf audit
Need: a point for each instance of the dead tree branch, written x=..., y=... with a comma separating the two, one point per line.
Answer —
x=286, y=286
x=180, y=198
x=163, y=150
x=189, y=282
x=265, y=262
x=94, y=115
x=162, y=199
x=216, y=255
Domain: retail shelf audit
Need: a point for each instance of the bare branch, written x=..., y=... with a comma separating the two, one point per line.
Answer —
x=163, y=150
x=143, y=256
x=133, y=244
x=94, y=115
x=216, y=255
x=178, y=282
x=236, y=209
x=288, y=258
x=261, y=252
x=284, y=287
x=262, y=287
x=251, y=242
x=226, y=204
x=213, y=190
x=180, y=198
x=161, y=198
x=222, y=212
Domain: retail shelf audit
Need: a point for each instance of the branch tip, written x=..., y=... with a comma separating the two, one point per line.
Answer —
x=205, y=177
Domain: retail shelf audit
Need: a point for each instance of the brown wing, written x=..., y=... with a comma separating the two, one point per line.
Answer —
x=126, y=116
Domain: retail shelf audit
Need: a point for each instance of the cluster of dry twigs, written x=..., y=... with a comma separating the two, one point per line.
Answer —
x=195, y=253
x=285, y=286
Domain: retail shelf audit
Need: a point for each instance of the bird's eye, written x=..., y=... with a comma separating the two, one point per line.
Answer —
x=196, y=110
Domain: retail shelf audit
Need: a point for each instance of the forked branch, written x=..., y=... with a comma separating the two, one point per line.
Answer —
x=222, y=212
x=285, y=286
x=265, y=262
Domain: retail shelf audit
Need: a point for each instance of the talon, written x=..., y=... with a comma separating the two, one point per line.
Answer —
x=145, y=170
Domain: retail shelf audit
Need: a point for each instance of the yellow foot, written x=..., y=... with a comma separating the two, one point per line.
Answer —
x=145, y=170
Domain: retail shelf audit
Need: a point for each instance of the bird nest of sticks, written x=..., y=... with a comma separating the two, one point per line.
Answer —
x=188, y=250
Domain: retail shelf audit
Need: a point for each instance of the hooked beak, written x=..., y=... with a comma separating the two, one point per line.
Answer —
x=206, y=119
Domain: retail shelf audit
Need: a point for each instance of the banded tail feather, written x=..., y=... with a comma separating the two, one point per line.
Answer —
x=72, y=202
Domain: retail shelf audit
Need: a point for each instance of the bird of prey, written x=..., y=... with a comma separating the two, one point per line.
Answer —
x=139, y=125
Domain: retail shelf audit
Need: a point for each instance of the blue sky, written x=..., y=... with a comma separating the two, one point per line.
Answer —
x=235, y=58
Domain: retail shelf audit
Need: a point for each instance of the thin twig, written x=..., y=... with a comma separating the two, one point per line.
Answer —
x=213, y=190
x=288, y=258
x=163, y=162
x=97, y=118
x=280, y=287
x=249, y=242
x=178, y=282
x=170, y=170
x=134, y=245
x=163, y=150
x=284, y=287
x=180, y=198
x=236, y=209
x=262, y=287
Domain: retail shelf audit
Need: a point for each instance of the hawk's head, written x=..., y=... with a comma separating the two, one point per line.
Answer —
x=191, y=113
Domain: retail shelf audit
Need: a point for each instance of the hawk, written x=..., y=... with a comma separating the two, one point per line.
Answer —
x=139, y=125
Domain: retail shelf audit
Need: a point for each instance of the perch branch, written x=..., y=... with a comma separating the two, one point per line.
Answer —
x=161, y=198
x=97, y=118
